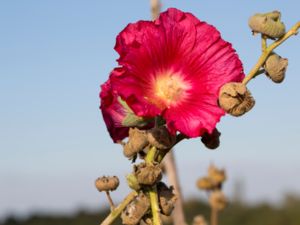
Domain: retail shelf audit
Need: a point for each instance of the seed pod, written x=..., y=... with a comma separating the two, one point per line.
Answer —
x=217, y=200
x=217, y=175
x=268, y=24
x=134, y=212
x=275, y=67
x=147, y=174
x=166, y=198
x=107, y=183
x=199, y=220
x=206, y=183
x=211, y=141
x=161, y=138
x=137, y=141
x=235, y=99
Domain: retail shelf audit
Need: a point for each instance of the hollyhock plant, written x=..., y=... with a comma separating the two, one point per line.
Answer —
x=173, y=67
x=176, y=78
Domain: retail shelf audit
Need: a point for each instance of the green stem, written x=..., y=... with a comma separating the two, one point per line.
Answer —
x=265, y=54
x=154, y=206
x=150, y=158
x=118, y=210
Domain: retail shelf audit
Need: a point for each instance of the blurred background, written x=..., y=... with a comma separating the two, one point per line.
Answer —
x=53, y=142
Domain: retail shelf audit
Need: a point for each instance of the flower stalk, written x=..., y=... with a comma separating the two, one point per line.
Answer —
x=267, y=50
x=111, y=203
x=115, y=213
x=150, y=158
x=214, y=216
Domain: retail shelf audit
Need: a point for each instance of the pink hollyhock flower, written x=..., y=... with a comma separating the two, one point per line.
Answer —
x=112, y=111
x=117, y=115
x=174, y=67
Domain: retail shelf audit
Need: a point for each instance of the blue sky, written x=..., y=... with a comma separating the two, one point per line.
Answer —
x=53, y=143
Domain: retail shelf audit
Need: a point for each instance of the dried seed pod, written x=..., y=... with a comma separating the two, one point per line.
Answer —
x=134, y=212
x=206, y=183
x=217, y=200
x=235, y=99
x=268, y=24
x=107, y=183
x=211, y=141
x=161, y=138
x=275, y=67
x=199, y=220
x=137, y=141
x=166, y=198
x=217, y=175
x=147, y=174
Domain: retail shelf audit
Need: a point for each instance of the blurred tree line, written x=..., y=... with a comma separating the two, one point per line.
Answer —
x=237, y=213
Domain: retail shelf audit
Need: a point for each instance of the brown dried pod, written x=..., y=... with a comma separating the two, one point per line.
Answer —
x=217, y=200
x=275, y=67
x=166, y=198
x=206, y=183
x=217, y=175
x=211, y=141
x=235, y=99
x=107, y=183
x=137, y=141
x=199, y=220
x=147, y=174
x=135, y=210
x=268, y=24
x=161, y=138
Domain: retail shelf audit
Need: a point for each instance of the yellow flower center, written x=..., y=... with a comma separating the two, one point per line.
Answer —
x=170, y=89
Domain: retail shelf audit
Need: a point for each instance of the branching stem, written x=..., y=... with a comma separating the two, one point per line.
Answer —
x=118, y=210
x=268, y=50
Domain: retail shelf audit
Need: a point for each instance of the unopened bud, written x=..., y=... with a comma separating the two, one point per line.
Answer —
x=107, y=183
x=217, y=200
x=217, y=175
x=160, y=138
x=235, y=99
x=147, y=174
x=206, y=183
x=166, y=198
x=133, y=182
x=134, y=212
x=137, y=141
x=275, y=67
x=211, y=141
x=268, y=24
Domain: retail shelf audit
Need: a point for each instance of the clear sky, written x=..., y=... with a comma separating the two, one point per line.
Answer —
x=53, y=143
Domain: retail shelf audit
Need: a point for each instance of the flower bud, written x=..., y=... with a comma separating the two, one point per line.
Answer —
x=217, y=200
x=235, y=99
x=218, y=176
x=133, y=182
x=275, y=67
x=161, y=138
x=135, y=210
x=206, y=183
x=268, y=24
x=211, y=141
x=107, y=183
x=137, y=141
x=147, y=174
x=166, y=198
x=199, y=220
